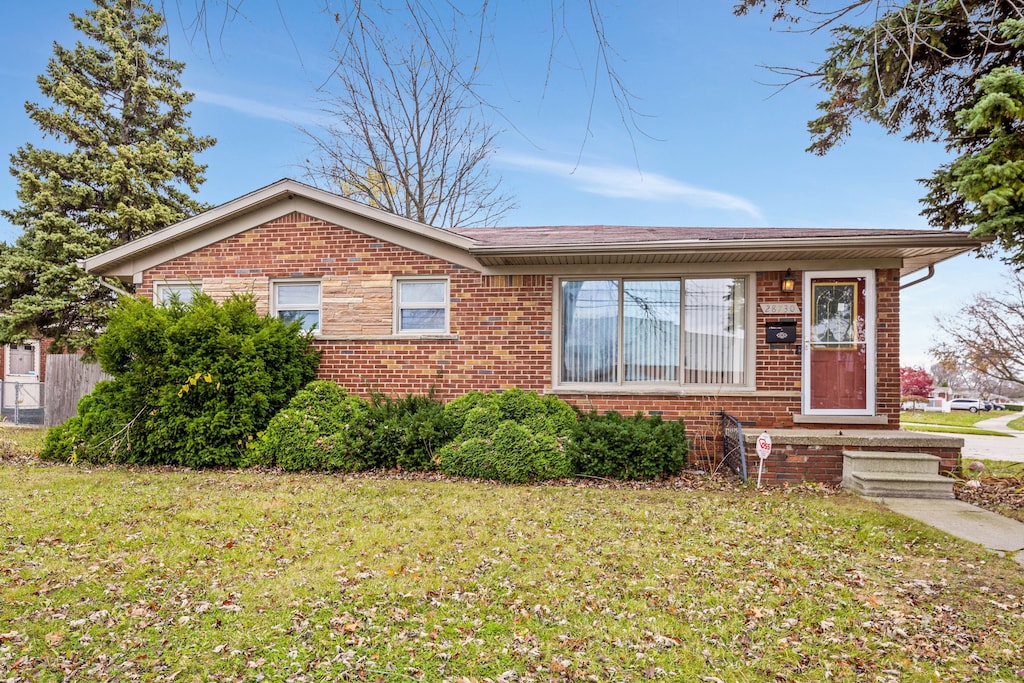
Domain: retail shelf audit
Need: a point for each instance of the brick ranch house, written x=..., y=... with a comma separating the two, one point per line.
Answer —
x=791, y=330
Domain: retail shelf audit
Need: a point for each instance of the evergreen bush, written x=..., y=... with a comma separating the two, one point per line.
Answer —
x=326, y=428
x=193, y=384
x=618, y=447
x=406, y=432
x=513, y=436
x=322, y=428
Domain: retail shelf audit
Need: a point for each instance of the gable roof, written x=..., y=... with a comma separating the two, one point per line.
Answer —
x=264, y=205
x=543, y=249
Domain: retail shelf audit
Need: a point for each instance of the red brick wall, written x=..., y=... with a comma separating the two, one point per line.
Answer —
x=500, y=325
x=502, y=329
x=793, y=463
x=887, y=370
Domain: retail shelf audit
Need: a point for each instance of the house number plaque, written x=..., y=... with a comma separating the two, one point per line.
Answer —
x=781, y=309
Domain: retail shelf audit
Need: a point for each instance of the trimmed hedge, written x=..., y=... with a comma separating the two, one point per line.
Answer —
x=408, y=431
x=325, y=428
x=637, y=447
x=514, y=436
x=321, y=428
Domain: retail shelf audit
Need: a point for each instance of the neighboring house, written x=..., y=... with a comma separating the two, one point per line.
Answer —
x=681, y=322
x=939, y=400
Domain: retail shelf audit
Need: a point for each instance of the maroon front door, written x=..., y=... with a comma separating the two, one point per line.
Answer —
x=837, y=344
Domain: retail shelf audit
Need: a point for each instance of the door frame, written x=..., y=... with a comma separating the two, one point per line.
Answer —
x=30, y=397
x=870, y=314
x=36, y=360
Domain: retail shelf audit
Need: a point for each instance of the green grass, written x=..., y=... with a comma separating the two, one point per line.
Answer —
x=958, y=418
x=22, y=439
x=951, y=430
x=957, y=422
x=239, y=576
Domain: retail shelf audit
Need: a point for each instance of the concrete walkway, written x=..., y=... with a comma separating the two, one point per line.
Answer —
x=966, y=521
x=984, y=447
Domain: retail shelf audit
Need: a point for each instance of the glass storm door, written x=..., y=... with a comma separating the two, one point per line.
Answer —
x=839, y=344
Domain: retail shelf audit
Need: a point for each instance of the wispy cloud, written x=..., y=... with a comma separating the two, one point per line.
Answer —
x=621, y=181
x=259, y=109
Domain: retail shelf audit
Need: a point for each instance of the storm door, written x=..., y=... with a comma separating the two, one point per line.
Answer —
x=839, y=348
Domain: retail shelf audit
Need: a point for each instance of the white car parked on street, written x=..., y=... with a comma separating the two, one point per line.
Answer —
x=971, y=404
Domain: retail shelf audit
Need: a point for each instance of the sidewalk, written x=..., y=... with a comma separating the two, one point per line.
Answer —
x=985, y=447
x=966, y=521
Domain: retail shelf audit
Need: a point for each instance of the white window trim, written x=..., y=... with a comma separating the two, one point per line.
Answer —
x=870, y=314
x=624, y=387
x=396, y=318
x=275, y=309
x=161, y=285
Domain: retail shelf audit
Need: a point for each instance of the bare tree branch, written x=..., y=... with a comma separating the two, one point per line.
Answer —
x=571, y=20
x=405, y=134
x=987, y=336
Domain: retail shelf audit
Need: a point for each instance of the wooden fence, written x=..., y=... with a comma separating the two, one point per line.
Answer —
x=68, y=379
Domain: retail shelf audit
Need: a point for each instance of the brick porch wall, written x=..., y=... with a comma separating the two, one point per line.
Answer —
x=823, y=461
x=501, y=328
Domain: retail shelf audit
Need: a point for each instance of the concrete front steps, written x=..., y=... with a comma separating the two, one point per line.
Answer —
x=880, y=474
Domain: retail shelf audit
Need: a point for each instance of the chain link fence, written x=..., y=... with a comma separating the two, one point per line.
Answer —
x=23, y=403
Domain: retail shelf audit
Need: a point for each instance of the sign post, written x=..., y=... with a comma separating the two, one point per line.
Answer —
x=764, y=449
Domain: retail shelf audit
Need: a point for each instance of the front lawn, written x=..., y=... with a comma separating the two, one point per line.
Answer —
x=20, y=440
x=243, y=576
x=957, y=418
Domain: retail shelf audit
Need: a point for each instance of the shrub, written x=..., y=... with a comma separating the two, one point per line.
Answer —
x=514, y=436
x=102, y=431
x=321, y=428
x=192, y=384
x=325, y=428
x=636, y=447
x=406, y=432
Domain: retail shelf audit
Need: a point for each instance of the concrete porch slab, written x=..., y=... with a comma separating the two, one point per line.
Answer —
x=880, y=438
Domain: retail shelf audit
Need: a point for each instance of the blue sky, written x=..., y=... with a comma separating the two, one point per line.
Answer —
x=719, y=147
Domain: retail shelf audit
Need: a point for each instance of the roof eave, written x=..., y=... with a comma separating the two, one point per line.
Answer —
x=916, y=251
x=109, y=261
x=949, y=240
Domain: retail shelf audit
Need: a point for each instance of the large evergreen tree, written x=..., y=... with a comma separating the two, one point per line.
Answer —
x=948, y=71
x=123, y=166
x=983, y=188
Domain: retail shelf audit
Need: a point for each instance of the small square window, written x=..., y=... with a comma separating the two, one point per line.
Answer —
x=183, y=292
x=421, y=306
x=298, y=301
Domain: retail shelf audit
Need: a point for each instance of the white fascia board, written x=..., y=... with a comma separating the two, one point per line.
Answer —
x=895, y=242
x=267, y=204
